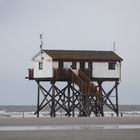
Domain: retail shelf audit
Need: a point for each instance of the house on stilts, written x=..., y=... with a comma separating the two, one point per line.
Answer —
x=82, y=74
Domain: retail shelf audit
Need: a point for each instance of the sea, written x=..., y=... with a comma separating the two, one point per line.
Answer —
x=25, y=111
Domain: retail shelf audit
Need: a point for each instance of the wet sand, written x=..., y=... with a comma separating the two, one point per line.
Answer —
x=69, y=134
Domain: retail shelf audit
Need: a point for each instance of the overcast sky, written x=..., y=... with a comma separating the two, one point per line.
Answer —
x=66, y=24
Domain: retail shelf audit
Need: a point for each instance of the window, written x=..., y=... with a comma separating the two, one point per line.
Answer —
x=60, y=64
x=90, y=65
x=82, y=65
x=40, y=65
x=111, y=66
x=73, y=66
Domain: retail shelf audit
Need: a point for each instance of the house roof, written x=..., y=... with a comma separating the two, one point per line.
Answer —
x=83, y=55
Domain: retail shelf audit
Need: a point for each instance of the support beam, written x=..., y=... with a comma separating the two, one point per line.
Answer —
x=107, y=98
x=53, y=100
x=38, y=99
x=70, y=99
x=117, y=104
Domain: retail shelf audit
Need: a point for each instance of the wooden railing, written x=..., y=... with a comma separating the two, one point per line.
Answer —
x=87, y=72
x=78, y=81
x=68, y=74
x=82, y=80
x=30, y=73
x=61, y=74
x=83, y=76
x=91, y=86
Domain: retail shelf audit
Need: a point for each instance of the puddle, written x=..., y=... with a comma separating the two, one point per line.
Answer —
x=66, y=127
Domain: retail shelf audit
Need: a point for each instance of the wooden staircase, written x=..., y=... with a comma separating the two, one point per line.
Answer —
x=90, y=93
x=85, y=84
x=81, y=79
x=92, y=88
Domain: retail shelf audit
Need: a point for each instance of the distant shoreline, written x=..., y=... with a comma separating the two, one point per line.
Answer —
x=27, y=111
x=33, y=108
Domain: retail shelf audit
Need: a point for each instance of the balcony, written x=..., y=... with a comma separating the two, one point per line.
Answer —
x=62, y=74
x=30, y=75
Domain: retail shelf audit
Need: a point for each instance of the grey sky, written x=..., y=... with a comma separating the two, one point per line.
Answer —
x=66, y=24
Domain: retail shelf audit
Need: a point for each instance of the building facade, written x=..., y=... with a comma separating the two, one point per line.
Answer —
x=103, y=64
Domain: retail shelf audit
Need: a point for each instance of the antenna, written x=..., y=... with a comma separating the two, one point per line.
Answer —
x=41, y=44
x=114, y=49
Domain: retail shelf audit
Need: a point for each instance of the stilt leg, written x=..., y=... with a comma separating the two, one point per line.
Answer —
x=117, y=106
x=53, y=100
x=38, y=100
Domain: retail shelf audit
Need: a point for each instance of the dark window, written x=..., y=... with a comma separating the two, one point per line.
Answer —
x=90, y=65
x=82, y=65
x=60, y=64
x=111, y=66
x=73, y=66
x=40, y=65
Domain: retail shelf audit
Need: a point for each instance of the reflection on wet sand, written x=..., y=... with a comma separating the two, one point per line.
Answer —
x=67, y=127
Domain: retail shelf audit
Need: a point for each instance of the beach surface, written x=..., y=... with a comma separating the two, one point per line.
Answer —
x=96, y=128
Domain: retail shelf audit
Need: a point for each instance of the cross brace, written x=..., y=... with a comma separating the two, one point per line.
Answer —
x=71, y=100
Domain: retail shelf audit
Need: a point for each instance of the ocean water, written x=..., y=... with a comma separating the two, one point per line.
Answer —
x=28, y=111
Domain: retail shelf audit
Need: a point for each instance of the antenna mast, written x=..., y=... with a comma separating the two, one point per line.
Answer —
x=114, y=49
x=41, y=42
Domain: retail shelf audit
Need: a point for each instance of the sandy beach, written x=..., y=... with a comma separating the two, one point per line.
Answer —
x=69, y=134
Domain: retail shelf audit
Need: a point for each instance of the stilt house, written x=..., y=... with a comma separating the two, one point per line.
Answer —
x=97, y=64
x=79, y=68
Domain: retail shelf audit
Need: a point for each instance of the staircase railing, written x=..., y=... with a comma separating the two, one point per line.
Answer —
x=91, y=86
x=82, y=80
x=77, y=80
